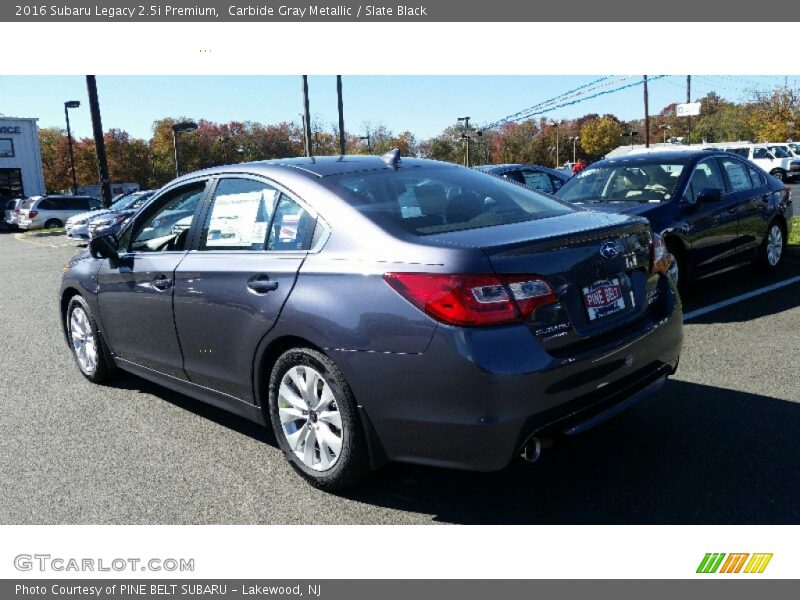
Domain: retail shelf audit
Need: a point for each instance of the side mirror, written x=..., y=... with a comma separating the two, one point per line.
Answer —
x=709, y=195
x=104, y=246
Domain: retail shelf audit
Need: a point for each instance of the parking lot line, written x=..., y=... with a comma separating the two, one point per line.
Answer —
x=716, y=306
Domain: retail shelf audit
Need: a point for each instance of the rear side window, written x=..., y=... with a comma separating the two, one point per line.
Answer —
x=756, y=177
x=761, y=153
x=241, y=211
x=46, y=204
x=737, y=173
x=426, y=201
x=538, y=181
x=292, y=226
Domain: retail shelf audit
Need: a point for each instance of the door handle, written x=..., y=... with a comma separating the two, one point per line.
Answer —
x=162, y=283
x=261, y=284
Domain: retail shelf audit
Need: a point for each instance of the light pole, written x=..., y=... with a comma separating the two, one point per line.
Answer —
x=367, y=137
x=177, y=128
x=465, y=136
x=558, y=152
x=574, y=139
x=664, y=129
x=67, y=105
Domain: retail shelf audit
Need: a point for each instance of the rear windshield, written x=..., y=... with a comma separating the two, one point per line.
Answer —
x=624, y=181
x=425, y=201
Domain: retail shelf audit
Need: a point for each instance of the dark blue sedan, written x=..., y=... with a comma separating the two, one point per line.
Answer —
x=373, y=309
x=714, y=210
x=533, y=177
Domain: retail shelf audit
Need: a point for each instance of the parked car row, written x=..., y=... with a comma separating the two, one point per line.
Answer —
x=46, y=212
x=83, y=226
x=713, y=209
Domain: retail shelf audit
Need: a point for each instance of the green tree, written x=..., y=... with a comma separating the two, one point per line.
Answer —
x=600, y=136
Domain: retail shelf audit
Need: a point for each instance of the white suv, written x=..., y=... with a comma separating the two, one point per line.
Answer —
x=773, y=158
x=50, y=212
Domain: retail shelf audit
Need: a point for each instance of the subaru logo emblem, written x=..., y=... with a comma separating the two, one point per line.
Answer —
x=609, y=249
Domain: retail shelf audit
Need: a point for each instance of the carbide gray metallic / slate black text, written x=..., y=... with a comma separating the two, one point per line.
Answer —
x=378, y=309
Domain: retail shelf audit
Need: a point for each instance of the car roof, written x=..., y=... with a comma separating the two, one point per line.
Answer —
x=665, y=155
x=509, y=166
x=324, y=166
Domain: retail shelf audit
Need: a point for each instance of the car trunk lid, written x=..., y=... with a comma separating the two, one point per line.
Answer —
x=598, y=265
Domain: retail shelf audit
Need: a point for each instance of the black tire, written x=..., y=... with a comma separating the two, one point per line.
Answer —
x=352, y=464
x=104, y=368
x=775, y=230
x=53, y=224
x=779, y=174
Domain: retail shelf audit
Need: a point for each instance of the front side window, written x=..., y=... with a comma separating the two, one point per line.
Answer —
x=241, y=211
x=6, y=148
x=624, y=182
x=706, y=175
x=761, y=153
x=737, y=174
x=424, y=201
x=167, y=229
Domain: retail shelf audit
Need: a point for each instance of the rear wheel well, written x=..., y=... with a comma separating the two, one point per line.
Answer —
x=780, y=220
x=270, y=356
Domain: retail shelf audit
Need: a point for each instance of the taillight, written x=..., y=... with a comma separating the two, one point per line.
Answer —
x=32, y=213
x=659, y=255
x=473, y=300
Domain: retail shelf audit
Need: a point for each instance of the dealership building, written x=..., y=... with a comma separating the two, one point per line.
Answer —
x=20, y=158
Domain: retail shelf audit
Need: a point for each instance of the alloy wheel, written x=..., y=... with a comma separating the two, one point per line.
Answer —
x=310, y=418
x=83, y=340
x=774, y=245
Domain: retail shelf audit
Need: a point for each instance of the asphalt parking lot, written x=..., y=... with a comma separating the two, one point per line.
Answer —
x=720, y=443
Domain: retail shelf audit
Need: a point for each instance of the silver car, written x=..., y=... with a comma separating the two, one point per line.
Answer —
x=51, y=212
x=11, y=211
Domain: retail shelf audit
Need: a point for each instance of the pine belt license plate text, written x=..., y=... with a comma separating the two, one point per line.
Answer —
x=603, y=298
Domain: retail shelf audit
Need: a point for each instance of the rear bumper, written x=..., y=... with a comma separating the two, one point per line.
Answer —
x=476, y=395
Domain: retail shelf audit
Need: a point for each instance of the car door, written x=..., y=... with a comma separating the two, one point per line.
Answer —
x=135, y=292
x=230, y=290
x=711, y=227
x=749, y=190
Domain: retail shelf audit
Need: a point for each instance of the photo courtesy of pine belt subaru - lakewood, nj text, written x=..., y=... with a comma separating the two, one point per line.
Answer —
x=377, y=308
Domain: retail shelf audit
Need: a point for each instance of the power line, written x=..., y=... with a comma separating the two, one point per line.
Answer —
x=572, y=102
x=521, y=114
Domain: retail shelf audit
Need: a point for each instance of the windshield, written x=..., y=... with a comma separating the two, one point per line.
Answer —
x=780, y=152
x=624, y=182
x=425, y=201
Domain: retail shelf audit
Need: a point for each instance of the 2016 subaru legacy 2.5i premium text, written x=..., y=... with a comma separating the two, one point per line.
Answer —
x=373, y=309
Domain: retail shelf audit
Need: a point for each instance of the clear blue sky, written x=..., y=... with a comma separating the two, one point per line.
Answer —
x=424, y=105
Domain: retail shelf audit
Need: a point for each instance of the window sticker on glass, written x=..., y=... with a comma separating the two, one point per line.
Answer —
x=288, y=231
x=240, y=219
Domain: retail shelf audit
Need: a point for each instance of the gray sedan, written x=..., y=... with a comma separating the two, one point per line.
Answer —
x=377, y=308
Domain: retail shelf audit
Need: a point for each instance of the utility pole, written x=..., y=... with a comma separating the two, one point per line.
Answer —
x=99, y=142
x=646, y=116
x=688, y=99
x=342, y=148
x=306, y=118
